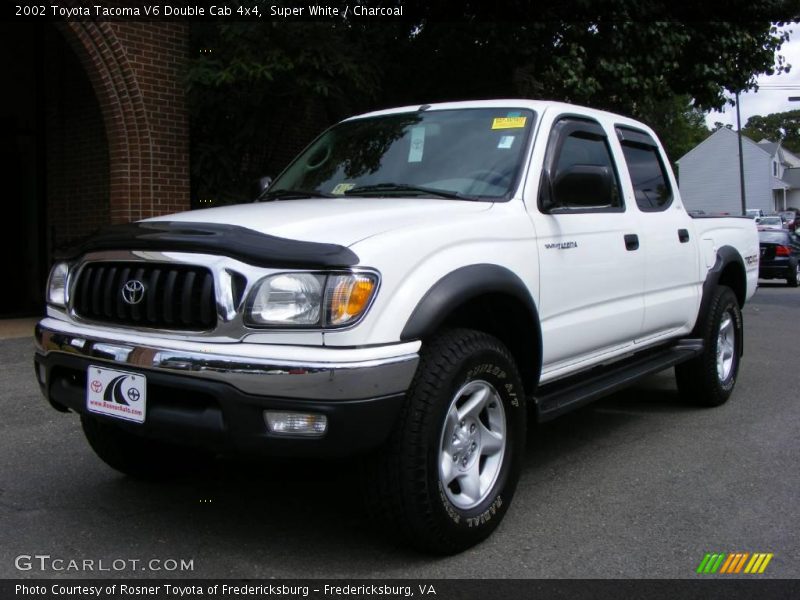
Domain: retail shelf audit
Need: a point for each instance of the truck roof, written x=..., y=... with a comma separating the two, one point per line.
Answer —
x=539, y=106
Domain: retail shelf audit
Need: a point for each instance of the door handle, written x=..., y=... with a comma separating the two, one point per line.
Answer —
x=631, y=241
x=683, y=235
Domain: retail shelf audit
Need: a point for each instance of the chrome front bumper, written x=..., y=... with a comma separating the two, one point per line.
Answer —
x=308, y=373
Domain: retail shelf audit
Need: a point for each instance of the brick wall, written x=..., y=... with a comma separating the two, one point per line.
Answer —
x=157, y=54
x=117, y=128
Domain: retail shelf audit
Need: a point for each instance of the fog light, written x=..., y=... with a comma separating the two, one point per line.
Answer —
x=291, y=423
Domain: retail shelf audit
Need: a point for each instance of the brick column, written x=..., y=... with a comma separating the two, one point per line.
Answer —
x=136, y=70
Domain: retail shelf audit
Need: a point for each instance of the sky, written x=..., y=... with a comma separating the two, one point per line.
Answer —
x=767, y=101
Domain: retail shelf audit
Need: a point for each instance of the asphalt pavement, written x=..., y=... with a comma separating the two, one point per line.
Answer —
x=639, y=484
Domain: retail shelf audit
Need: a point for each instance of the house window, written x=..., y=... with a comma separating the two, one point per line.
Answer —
x=774, y=169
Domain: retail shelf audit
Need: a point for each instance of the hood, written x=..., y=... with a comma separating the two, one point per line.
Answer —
x=342, y=221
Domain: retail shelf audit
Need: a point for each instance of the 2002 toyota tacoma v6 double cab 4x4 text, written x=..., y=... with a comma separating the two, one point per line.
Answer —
x=409, y=288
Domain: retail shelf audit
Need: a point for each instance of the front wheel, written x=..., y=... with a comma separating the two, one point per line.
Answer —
x=709, y=379
x=449, y=471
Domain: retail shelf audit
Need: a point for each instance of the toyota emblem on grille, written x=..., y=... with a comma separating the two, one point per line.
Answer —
x=133, y=291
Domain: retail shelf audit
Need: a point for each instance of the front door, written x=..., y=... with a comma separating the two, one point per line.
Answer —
x=591, y=267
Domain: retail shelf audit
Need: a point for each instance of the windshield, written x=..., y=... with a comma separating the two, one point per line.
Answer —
x=473, y=154
x=771, y=221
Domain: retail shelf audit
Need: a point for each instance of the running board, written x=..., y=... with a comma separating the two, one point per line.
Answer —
x=561, y=396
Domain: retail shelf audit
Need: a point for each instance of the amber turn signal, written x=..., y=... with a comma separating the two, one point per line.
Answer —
x=349, y=296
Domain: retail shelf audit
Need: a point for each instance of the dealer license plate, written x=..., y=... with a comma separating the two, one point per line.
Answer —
x=116, y=393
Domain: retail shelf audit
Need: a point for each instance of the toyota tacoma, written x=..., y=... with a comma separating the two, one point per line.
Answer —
x=413, y=286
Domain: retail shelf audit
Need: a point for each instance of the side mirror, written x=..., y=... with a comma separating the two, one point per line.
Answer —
x=583, y=186
x=264, y=182
x=260, y=186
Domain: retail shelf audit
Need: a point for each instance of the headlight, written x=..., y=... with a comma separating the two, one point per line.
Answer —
x=57, y=284
x=312, y=300
x=288, y=299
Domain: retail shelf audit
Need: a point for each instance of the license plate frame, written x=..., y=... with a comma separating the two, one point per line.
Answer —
x=116, y=393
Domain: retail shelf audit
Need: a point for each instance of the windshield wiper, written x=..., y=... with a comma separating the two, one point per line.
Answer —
x=286, y=194
x=366, y=190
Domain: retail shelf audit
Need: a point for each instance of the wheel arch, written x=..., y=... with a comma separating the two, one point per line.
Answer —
x=728, y=270
x=731, y=272
x=489, y=298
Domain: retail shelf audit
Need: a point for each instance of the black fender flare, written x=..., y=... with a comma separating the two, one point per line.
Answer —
x=462, y=285
x=726, y=255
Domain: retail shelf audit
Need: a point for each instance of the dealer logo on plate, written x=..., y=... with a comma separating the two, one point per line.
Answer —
x=116, y=394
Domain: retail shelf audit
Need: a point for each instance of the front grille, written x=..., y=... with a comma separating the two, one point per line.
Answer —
x=173, y=296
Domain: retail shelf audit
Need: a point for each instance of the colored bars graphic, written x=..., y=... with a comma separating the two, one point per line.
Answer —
x=734, y=562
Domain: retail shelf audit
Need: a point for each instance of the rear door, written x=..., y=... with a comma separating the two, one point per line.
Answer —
x=671, y=282
x=592, y=269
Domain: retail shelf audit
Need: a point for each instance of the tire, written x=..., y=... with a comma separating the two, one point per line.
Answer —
x=443, y=483
x=709, y=379
x=140, y=457
x=793, y=279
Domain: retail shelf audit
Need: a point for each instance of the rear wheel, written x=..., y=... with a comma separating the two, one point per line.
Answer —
x=449, y=471
x=138, y=456
x=710, y=378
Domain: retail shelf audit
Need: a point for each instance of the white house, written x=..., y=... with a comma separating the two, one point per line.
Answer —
x=709, y=175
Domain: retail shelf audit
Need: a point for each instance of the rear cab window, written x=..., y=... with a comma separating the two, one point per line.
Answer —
x=648, y=174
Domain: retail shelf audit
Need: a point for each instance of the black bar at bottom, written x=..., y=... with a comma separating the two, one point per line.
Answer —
x=730, y=587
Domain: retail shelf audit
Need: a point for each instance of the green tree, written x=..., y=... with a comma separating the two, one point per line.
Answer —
x=718, y=125
x=257, y=93
x=680, y=125
x=776, y=127
x=265, y=87
x=605, y=62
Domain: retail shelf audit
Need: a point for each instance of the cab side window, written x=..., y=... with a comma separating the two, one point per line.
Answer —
x=651, y=186
x=580, y=175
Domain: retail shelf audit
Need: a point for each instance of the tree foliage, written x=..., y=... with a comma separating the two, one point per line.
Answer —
x=253, y=84
x=776, y=127
x=680, y=125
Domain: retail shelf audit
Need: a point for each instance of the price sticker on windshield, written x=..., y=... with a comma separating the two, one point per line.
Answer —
x=342, y=188
x=509, y=122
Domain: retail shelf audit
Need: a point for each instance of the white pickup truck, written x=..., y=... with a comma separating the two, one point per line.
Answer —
x=413, y=286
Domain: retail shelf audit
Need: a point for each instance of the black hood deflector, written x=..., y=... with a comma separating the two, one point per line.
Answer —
x=246, y=245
